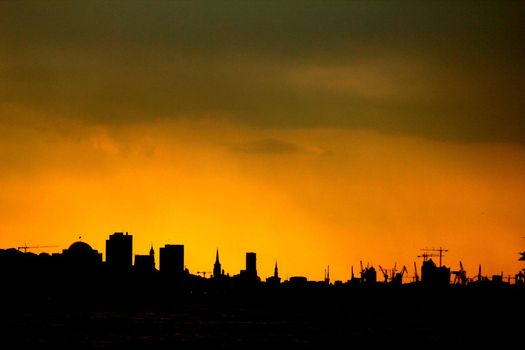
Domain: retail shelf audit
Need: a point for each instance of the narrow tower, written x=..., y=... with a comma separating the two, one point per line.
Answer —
x=152, y=255
x=327, y=275
x=217, y=267
x=275, y=279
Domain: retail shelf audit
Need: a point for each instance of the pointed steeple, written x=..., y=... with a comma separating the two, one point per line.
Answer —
x=275, y=279
x=151, y=251
x=217, y=271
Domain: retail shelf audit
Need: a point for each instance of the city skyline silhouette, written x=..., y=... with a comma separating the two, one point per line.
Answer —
x=372, y=134
x=120, y=260
x=74, y=298
x=261, y=174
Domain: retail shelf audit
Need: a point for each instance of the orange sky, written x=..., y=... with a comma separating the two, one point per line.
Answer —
x=311, y=134
x=306, y=198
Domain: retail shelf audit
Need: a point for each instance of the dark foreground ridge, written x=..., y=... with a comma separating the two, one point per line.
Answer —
x=76, y=300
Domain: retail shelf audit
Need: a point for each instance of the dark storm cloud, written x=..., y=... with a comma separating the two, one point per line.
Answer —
x=445, y=70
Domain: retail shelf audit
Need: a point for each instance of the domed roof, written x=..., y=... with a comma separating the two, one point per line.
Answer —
x=80, y=247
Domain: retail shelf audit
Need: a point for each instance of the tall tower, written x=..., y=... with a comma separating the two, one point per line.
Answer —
x=251, y=265
x=217, y=266
x=119, y=249
x=275, y=279
x=152, y=256
x=171, y=260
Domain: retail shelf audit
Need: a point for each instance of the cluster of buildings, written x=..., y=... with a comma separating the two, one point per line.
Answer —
x=80, y=260
x=119, y=249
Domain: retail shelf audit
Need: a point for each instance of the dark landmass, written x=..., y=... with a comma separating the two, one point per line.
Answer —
x=75, y=300
x=259, y=317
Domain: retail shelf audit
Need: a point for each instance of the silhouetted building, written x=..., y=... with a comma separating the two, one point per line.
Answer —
x=217, y=272
x=433, y=275
x=119, y=248
x=298, y=281
x=275, y=279
x=369, y=275
x=171, y=260
x=145, y=263
x=249, y=275
x=14, y=263
x=498, y=279
x=251, y=265
x=80, y=258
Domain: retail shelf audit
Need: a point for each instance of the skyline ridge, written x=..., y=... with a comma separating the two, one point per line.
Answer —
x=123, y=254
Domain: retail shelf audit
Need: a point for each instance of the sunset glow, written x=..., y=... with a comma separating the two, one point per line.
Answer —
x=354, y=141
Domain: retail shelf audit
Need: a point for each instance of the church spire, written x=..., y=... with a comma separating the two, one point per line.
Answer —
x=276, y=271
x=217, y=272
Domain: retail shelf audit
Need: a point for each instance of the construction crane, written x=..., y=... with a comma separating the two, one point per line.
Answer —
x=385, y=274
x=393, y=271
x=25, y=247
x=368, y=274
x=398, y=277
x=427, y=253
x=460, y=276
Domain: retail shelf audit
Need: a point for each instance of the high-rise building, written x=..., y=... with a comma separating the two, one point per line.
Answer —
x=145, y=263
x=217, y=272
x=434, y=275
x=251, y=265
x=119, y=248
x=171, y=260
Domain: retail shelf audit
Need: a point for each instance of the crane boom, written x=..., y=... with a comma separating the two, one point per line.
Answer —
x=26, y=247
x=439, y=252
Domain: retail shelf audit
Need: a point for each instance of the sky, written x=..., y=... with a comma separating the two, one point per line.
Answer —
x=313, y=133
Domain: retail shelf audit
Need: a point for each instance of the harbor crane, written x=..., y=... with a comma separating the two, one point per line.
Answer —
x=394, y=270
x=460, y=276
x=385, y=274
x=398, y=277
